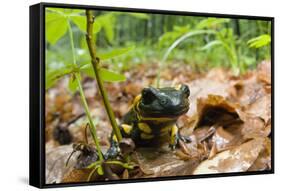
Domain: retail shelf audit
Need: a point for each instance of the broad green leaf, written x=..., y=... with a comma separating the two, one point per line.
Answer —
x=50, y=81
x=66, y=11
x=105, y=74
x=72, y=84
x=56, y=10
x=109, y=32
x=80, y=22
x=97, y=27
x=76, y=11
x=88, y=70
x=211, y=45
x=259, y=41
x=111, y=76
x=107, y=22
x=115, y=53
x=53, y=75
x=56, y=26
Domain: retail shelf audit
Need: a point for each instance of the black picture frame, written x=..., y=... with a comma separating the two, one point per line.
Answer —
x=37, y=93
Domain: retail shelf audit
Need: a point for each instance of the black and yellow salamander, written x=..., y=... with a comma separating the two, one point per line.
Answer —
x=152, y=118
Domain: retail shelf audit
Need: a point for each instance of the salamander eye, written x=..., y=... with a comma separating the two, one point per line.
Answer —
x=163, y=101
x=185, y=89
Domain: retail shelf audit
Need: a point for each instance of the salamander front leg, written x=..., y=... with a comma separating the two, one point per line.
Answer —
x=114, y=149
x=175, y=137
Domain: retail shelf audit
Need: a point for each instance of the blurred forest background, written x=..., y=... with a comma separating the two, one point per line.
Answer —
x=124, y=40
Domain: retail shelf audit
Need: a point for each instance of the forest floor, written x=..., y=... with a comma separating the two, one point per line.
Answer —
x=229, y=122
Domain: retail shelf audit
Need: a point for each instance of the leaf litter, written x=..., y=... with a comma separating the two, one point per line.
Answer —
x=229, y=123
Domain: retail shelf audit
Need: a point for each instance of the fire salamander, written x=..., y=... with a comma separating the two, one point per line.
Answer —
x=152, y=118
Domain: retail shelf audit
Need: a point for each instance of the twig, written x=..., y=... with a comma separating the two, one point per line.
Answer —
x=73, y=120
x=95, y=64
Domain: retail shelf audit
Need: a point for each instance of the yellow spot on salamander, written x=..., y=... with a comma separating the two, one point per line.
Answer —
x=174, y=132
x=146, y=136
x=115, y=138
x=127, y=128
x=144, y=127
x=135, y=102
x=137, y=99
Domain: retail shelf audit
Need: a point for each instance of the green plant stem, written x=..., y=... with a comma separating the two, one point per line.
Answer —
x=95, y=63
x=86, y=108
x=83, y=98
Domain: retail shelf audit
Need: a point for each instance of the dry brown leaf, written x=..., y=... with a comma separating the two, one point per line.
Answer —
x=261, y=107
x=56, y=158
x=218, y=74
x=201, y=88
x=213, y=151
x=222, y=139
x=263, y=161
x=248, y=90
x=217, y=110
x=255, y=127
x=238, y=159
x=155, y=162
x=77, y=175
x=264, y=72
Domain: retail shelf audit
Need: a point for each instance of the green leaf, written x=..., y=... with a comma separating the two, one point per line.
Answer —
x=50, y=81
x=56, y=26
x=107, y=22
x=105, y=74
x=53, y=75
x=75, y=11
x=56, y=10
x=115, y=53
x=66, y=11
x=100, y=171
x=109, y=32
x=140, y=15
x=211, y=45
x=211, y=23
x=96, y=27
x=80, y=22
x=72, y=84
x=111, y=76
x=259, y=41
